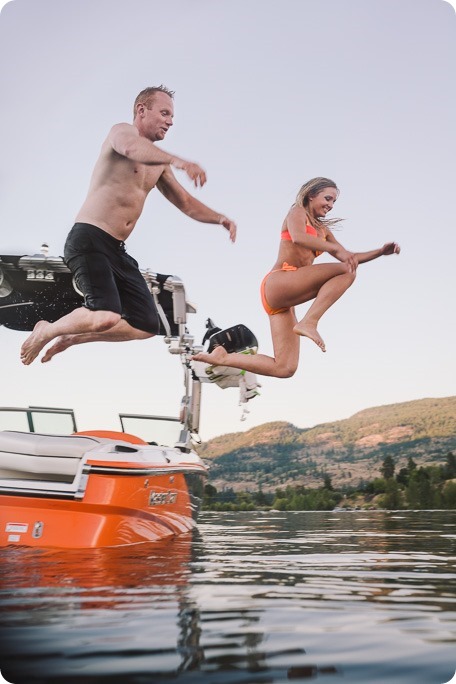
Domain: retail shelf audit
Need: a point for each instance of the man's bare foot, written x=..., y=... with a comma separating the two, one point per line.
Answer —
x=310, y=331
x=60, y=345
x=215, y=358
x=34, y=343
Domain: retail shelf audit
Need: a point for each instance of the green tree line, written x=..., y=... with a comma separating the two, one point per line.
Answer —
x=412, y=487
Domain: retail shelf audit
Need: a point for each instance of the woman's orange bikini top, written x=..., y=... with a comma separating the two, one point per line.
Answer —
x=310, y=230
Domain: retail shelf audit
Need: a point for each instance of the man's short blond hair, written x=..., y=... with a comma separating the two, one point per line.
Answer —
x=146, y=96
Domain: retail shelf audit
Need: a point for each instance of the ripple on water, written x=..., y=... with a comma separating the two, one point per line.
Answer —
x=249, y=597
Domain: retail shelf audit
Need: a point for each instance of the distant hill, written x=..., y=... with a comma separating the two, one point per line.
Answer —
x=351, y=451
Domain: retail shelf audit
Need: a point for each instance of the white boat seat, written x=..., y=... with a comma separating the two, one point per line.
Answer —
x=52, y=457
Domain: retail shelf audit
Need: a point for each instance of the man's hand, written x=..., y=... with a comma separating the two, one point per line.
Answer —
x=230, y=226
x=193, y=171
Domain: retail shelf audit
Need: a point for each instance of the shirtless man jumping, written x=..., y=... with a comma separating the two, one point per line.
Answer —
x=117, y=303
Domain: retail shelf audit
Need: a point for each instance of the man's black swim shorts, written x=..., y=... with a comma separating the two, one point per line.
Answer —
x=109, y=278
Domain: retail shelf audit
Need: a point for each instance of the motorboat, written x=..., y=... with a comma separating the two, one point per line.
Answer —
x=92, y=490
x=65, y=488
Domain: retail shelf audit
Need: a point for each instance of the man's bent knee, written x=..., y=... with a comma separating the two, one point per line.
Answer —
x=104, y=320
x=142, y=334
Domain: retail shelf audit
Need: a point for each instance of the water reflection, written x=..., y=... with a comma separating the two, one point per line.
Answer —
x=253, y=597
x=94, y=608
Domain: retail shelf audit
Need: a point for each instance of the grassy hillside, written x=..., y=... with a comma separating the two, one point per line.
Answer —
x=350, y=451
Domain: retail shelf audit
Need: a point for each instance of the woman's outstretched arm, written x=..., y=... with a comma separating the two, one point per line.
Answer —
x=363, y=257
x=386, y=250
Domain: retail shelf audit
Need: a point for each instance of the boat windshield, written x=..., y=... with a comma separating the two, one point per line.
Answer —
x=44, y=420
x=162, y=430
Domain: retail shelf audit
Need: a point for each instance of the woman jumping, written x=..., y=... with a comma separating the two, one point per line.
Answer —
x=294, y=279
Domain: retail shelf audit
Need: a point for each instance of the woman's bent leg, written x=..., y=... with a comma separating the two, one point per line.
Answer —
x=327, y=295
x=286, y=351
x=323, y=282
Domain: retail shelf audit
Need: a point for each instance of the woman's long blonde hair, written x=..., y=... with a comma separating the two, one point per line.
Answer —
x=311, y=189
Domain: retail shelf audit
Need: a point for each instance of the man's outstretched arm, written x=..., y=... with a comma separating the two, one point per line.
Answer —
x=126, y=141
x=189, y=205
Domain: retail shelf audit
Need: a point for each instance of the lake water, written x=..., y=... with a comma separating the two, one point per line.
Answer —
x=250, y=597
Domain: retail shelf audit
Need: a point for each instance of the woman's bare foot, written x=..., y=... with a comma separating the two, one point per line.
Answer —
x=215, y=358
x=34, y=343
x=310, y=331
x=60, y=345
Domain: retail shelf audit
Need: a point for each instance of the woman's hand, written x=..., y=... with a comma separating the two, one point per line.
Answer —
x=346, y=257
x=390, y=248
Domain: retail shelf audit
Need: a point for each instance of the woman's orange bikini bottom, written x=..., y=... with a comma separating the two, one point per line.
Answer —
x=269, y=310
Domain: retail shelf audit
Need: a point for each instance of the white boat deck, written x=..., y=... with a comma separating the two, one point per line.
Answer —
x=59, y=463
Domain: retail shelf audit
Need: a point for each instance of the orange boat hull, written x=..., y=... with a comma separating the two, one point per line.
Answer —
x=118, y=508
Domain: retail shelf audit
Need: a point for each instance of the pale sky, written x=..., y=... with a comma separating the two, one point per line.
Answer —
x=268, y=95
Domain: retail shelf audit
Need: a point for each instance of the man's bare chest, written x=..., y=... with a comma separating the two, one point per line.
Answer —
x=144, y=177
